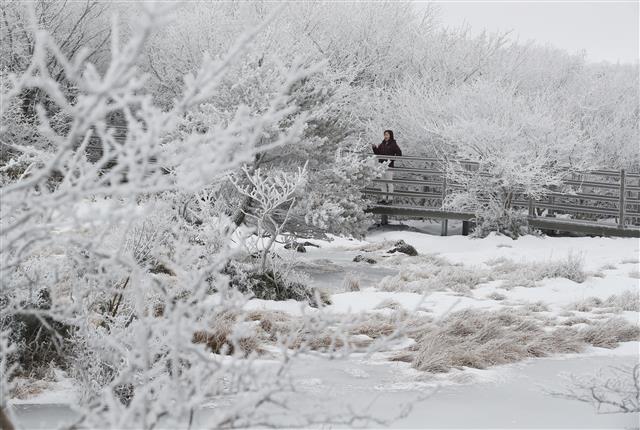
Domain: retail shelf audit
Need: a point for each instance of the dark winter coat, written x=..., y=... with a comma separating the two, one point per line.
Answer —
x=387, y=148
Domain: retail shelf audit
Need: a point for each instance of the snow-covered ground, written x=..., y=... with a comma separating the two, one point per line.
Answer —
x=507, y=396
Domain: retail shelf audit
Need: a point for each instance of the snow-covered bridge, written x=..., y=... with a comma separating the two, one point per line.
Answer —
x=597, y=202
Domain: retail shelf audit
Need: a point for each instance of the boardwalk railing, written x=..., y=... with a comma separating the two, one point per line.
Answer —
x=600, y=202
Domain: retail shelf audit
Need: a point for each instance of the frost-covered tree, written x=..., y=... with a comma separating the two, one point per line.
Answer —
x=106, y=258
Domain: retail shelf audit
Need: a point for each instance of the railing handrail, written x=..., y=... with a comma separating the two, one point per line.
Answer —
x=600, y=172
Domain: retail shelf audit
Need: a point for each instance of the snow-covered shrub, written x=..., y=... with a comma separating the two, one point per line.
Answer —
x=270, y=192
x=273, y=284
x=136, y=286
x=334, y=201
x=41, y=341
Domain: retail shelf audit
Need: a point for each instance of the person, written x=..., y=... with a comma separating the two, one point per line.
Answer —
x=387, y=147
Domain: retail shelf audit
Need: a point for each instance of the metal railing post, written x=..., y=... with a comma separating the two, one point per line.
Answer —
x=445, y=222
x=622, y=199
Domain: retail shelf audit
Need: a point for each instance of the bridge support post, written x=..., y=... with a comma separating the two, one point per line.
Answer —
x=384, y=219
x=622, y=203
x=444, y=227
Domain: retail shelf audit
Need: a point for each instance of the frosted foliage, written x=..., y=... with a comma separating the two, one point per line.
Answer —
x=334, y=202
x=129, y=261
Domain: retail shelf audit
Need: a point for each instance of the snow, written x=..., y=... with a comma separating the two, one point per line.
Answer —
x=510, y=396
x=461, y=249
x=291, y=307
x=514, y=395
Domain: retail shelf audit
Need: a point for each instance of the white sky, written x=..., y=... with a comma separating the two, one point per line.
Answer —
x=606, y=30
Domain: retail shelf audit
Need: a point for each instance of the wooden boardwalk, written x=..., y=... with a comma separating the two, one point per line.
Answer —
x=596, y=202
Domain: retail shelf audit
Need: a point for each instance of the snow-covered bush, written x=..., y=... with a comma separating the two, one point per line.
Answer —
x=131, y=260
x=273, y=283
x=334, y=201
x=268, y=193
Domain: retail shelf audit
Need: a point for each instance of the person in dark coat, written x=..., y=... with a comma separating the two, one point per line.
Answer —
x=387, y=147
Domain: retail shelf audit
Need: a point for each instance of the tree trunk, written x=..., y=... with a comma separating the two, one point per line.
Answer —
x=238, y=217
x=5, y=422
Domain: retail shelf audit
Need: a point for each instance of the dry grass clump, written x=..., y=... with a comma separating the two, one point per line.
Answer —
x=496, y=296
x=26, y=388
x=586, y=305
x=606, y=311
x=224, y=336
x=351, y=282
x=461, y=279
x=320, y=265
x=575, y=320
x=379, y=325
x=373, y=247
x=479, y=339
x=376, y=326
x=426, y=278
x=572, y=267
x=389, y=304
x=536, y=307
x=626, y=301
x=528, y=274
x=630, y=261
x=608, y=267
x=609, y=333
x=635, y=274
x=323, y=339
x=274, y=324
x=417, y=261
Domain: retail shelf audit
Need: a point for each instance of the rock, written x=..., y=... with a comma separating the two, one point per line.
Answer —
x=403, y=247
x=300, y=247
x=161, y=268
x=310, y=244
x=358, y=258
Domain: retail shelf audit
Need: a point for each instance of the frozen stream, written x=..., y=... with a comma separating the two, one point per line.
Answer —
x=329, y=274
x=509, y=396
